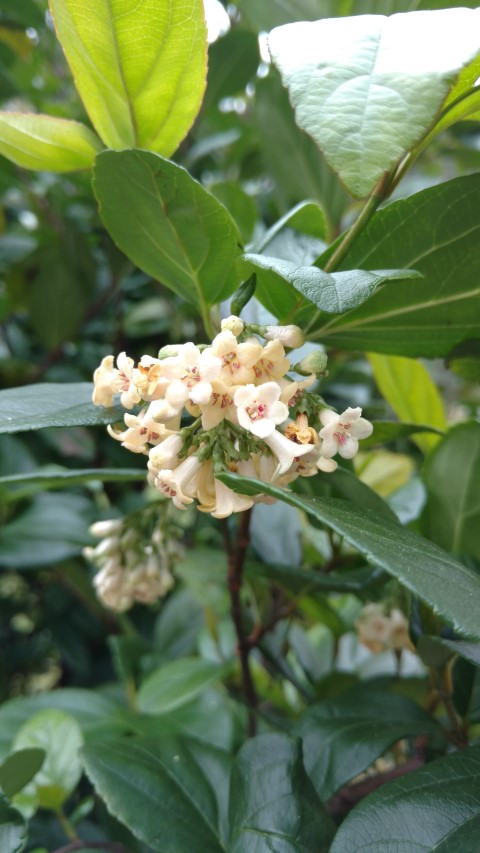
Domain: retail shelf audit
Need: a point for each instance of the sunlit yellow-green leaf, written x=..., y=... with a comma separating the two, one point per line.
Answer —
x=139, y=66
x=412, y=394
x=46, y=143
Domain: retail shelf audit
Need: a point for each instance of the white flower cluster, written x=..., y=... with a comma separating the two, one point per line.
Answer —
x=129, y=567
x=239, y=395
x=379, y=631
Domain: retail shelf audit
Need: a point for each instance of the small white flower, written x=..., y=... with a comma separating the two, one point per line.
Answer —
x=272, y=364
x=228, y=501
x=165, y=454
x=233, y=324
x=179, y=482
x=259, y=409
x=289, y=336
x=190, y=373
x=237, y=359
x=141, y=432
x=105, y=383
x=340, y=433
x=285, y=450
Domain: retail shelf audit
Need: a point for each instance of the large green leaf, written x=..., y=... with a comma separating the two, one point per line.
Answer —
x=453, y=590
x=177, y=683
x=60, y=737
x=272, y=802
x=343, y=737
x=168, y=224
x=167, y=791
x=385, y=431
x=46, y=143
x=13, y=829
x=412, y=394
x=333, y=293
x=139, y=68
x=53, y=404
x=452, y=476
x=368, y=88
x=434, y=232
x=19, y=769
x=435, y=808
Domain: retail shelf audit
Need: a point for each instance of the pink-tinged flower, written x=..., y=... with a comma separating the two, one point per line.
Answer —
x=190, y=374
x=289, y=336
x=340, y=433
x=259, y=409
x=141, y=432
x=286, y=451
x=165, y=454
x=149, y=381
x=237, y=359
x=129, y=395
x=177, y=484
x=272, y=363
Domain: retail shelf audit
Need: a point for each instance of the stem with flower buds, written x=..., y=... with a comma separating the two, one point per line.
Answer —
x=236, y=553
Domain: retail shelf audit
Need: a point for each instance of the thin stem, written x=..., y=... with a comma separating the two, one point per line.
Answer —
x=378, y=195
x=67, y=827
x=236, y=554
x=207, y=322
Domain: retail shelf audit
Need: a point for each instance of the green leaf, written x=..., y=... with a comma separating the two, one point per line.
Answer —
x=305, y=580
x=19, y=769
x=307, y=218
x=453, y=590
x=272, y=802
x=368, y=88
x=270, y=13
x=177, y=683
x=232, y=62
x=239, y=204
x=59, y=735
x=333, y=293
x=451, y=516
x=28, y=484
x=435, y=808
x=94, y=712
x=139, y=69
x=386, y=431
x=298, y=169
x=13, y=829
x=432, y=232
x=46, y=143
x=31, y=540
x=50, y=404
x=464, y=360
x=412, y=394
x=343, y=737
x=165, y=790
x=168, y=224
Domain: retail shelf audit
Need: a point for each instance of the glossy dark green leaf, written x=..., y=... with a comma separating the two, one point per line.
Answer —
x=28, y=484
x=305, y=580
x=272, y=802
x=177, y=683
x=343, y=737
x=168, y=224
x=50, y=404
x=431, y=232
x=165, y=790
x=19, y=769
x=452, y=476
x=452, y=589
x=334, y=293
x=13, y=829
x=232, y=62
x=436, y=808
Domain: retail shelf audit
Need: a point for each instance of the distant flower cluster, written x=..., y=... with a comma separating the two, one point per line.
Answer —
x=229, y=406
x=380, y=631
x=133, y=564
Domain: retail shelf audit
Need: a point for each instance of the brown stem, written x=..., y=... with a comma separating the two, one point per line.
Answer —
x=236, y=558
x=341, y=803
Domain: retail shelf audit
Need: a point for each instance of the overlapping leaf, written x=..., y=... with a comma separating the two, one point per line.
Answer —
x=139, y=68
x=368, y=88
x=46, y=143
x=53, y=404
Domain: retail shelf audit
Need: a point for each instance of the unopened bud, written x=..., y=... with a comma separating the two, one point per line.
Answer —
x=314, y=362
x=289, y=336
x=233, y=324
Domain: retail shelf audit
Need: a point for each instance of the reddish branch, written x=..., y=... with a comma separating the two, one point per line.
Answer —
x=341, y=803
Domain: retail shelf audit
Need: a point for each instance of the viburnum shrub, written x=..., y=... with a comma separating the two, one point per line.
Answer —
x=258, y=630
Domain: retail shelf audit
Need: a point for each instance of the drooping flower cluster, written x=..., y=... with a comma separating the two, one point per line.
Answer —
x=229, y=406
x=133, y=563
x=380, y=631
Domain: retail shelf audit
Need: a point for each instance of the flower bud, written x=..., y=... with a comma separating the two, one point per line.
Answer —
x=233, y=324
x=289, y=336
x=314, y=362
